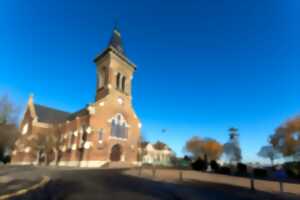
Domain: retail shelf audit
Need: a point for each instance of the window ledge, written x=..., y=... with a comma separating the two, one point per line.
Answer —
x=117, y=138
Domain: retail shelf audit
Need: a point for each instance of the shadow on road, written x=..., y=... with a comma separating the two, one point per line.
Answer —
x=113, y=184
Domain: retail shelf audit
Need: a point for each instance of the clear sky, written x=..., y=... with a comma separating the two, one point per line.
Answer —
x=203, y=66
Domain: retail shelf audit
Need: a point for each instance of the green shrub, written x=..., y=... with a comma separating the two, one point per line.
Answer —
x=214, y=166
x=260, y=173
x=225, y=170
x=292, y=169
x=199, y=165
x=241, y=169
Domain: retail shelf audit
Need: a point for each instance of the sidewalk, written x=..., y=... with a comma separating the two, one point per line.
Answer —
x=171, y=175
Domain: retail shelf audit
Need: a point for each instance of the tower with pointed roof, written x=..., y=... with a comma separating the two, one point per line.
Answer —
x=114, y=69
x=105, y=131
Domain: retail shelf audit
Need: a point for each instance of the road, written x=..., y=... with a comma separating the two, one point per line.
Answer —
x=113, y=184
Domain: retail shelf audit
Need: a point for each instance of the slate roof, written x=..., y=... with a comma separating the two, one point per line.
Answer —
x=116, y=41
x=78, y=113
x=115, y=45
x=50, y=115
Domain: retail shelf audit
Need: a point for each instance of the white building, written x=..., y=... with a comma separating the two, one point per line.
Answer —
x=157, y=154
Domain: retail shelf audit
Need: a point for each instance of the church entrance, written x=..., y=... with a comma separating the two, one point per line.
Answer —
x=116, y=152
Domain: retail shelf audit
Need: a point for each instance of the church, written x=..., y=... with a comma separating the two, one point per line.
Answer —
x=104, y=132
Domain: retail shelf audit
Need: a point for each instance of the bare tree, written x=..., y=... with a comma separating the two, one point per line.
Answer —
x=44, y=145
x=8, y=111
x=142, y=143
x=8, y=128
x=269, y=152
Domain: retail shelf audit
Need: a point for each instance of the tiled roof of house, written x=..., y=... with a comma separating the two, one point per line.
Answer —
x=160, y=145
x=144, y=144
x=157, y=146
x=50, y=115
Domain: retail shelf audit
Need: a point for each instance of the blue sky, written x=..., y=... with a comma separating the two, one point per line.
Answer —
x=203, y=66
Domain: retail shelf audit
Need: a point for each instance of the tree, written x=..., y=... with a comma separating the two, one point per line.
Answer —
x=269, y=152
x=232, y=148
x=8, y=129
x=8, y=135
x=142, y=147
x=286, y=138
x=8, y=111
x=159, y=145
x=43, y=145
x=207, y=148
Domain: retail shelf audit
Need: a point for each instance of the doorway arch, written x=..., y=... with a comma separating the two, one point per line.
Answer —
x=116, y=152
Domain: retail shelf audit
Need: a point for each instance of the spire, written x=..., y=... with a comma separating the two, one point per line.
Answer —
x=30, y=100
x=116, y=41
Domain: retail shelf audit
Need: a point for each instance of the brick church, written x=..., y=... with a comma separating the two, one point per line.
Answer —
x=105, y=131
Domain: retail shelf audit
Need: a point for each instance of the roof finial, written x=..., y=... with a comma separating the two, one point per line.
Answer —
x=116, y=25
x=31, y=95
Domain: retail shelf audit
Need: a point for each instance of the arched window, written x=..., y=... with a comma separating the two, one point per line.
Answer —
x=100, y=135
x=83, y=136
x=118, y=127
x=70, y=140
x=102, y=77
x=118, y=80
x=124, y=131
x=98, y=80
x=123, y=83
x=113, y=128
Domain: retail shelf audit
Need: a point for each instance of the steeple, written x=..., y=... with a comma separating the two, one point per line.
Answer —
x=116, y=41
x=114, y=69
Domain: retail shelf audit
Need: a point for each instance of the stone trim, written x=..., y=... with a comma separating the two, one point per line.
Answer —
x=117, y=138
x=137, y=163
x=41, y=124
x=22, y=163
x=84, y=163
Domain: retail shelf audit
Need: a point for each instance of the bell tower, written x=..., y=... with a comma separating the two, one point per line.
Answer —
x=114, y=69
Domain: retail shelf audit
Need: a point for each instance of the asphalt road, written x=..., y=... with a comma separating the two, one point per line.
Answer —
x=112, y=184
x=13, y=178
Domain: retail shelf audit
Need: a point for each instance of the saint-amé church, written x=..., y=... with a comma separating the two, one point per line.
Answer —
x=105, y=131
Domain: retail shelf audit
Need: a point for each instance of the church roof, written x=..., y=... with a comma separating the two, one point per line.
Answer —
x=115, y=45
x=78, y=113
x=50, y=115
x=116, y=41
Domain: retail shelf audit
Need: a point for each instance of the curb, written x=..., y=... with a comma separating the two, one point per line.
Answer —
x=43, y=182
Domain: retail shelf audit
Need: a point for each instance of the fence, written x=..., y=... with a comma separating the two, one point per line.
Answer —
x=186, y=175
